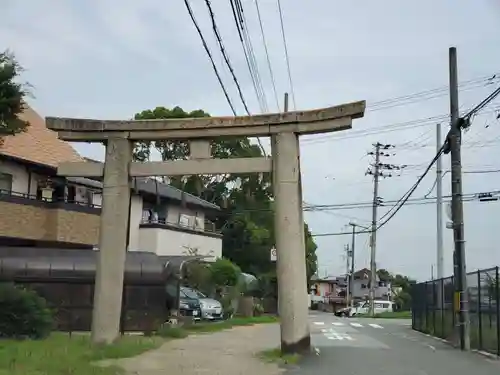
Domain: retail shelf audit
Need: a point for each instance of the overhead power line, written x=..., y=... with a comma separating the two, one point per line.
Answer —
x=481, y=105
x=389, y=215
x=444, y=148
x=271, y=74
x=246, y=43
x=224, y=54
x=328, y=234
x=283, y=35
x=432, y=93
x=207, y=50
x=398, y=126
x=229, y=65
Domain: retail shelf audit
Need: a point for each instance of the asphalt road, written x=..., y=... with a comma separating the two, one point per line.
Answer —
x=351, y=346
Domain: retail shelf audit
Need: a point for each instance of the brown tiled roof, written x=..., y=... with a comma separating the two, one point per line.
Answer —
x=38, y=144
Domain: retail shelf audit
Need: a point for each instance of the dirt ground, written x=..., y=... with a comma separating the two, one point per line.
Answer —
x=231, y=352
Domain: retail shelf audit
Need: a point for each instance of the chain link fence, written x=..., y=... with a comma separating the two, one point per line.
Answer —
x=434, y=311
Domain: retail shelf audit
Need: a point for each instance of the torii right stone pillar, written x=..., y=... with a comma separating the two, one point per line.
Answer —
x=290, y=263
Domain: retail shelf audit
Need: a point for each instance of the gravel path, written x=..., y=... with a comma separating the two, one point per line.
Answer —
x=230, y=352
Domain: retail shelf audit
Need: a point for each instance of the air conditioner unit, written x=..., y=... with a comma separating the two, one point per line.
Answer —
x=199, y=223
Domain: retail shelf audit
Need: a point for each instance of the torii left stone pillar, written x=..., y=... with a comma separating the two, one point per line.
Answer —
x=118, y=169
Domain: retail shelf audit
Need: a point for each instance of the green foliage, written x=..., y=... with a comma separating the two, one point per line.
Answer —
x=23, y=313
x=12, y=96
x=246, y=220
x=224, y=272
x=403, y=297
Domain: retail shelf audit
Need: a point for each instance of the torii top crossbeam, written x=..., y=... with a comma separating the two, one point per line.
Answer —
x=304, y=122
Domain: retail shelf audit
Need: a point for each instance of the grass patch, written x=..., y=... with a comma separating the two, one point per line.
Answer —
x=275, y=356
x=61, y=354
x=209, y=327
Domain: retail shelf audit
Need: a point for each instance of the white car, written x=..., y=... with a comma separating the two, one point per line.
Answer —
x=363, y=308
x=211, y=309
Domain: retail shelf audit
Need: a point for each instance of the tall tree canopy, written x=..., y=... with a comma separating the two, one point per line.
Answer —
x=12, y=95
x=246, y=221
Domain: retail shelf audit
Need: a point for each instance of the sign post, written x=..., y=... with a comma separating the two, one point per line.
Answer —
x=274, y=255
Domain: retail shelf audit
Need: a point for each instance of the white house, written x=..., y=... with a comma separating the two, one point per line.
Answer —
x=40, y=209
x=361, y=286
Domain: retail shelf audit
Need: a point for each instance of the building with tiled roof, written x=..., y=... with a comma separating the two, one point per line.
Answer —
x=39, y=208
x=38, y=144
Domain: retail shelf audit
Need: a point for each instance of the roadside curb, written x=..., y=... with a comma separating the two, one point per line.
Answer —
x=477, y=351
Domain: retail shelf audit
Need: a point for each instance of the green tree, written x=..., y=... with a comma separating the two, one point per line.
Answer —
x=12, y=94
x=384, y=275
x=224, y=272
x=403, y=297
x=246, y=220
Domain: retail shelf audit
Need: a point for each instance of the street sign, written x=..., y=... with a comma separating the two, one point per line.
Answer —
x=274, y=254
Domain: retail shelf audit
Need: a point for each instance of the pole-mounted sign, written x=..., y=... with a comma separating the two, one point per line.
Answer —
x=274, y=255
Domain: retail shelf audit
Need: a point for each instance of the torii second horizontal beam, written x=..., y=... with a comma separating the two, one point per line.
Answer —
x=172, y=168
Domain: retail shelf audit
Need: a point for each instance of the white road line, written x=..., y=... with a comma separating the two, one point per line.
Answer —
x=357, y=325
x=338, y=324
x=338, y=336
x=319, y=323
x=375, y=325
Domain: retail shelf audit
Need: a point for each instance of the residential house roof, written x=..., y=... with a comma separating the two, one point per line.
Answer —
x=362, y=273
x=38, y=144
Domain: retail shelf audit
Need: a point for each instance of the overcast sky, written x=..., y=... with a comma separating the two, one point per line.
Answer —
x=110, y=59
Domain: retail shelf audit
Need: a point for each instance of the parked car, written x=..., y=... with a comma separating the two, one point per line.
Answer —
x=211, y=309
x=362, y=308
x=188, y=306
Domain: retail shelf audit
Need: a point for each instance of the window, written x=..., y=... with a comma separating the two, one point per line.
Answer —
x=5, y=183
x=363, y=286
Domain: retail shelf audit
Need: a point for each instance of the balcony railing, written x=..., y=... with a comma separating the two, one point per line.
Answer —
x=17, y=197
x=208, y=226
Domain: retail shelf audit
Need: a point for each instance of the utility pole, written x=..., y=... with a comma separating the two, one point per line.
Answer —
x=439, y=224
x=353, y=246
x=377, y=169
x=351, y=282
x=347, y=276
x=454, y=140
x=373, y=236
x=439, y=213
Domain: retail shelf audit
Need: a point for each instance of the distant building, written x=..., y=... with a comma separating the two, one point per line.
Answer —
x=361, y=286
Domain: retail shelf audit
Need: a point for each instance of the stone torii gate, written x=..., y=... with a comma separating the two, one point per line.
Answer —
x=118, y=169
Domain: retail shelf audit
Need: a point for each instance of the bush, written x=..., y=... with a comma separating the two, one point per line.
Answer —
x=24, y=314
